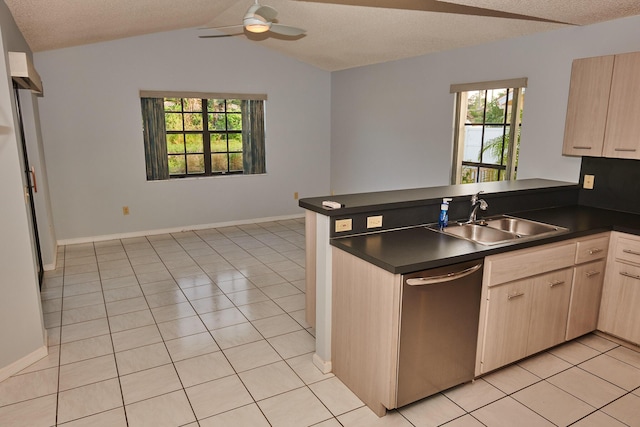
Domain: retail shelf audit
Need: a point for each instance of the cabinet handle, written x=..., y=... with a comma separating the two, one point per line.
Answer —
x=556, y=283
x=633, y=276
x=582, y=147
x=629, y=251
x=516, y=295
x=592, y=273
x=595, y=251
x=630, y=150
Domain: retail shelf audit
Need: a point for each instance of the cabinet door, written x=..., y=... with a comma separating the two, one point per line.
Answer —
x=587, y=106
x=622, y=135
x=549, y=309
x=586, y=293
x=507, y=324
x=619, y=314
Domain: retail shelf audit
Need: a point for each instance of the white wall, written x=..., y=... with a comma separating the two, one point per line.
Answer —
x=92, y=132
x=21, y=328
x=392, y=123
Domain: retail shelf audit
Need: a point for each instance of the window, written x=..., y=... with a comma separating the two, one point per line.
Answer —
x=190, y=135
x=487, y=130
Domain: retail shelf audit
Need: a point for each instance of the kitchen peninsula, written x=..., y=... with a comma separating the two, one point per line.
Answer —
x=397, y=242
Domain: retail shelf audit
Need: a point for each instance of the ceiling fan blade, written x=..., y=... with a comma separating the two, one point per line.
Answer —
x=286, y=30
x=238, y=28
x=267, y=12
x=217, y=36
x=436, y=6
x=225, y=27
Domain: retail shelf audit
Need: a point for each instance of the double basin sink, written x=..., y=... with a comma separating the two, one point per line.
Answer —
x=500, y=229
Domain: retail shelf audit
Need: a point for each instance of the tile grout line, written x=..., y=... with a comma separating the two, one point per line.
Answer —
x=113, y=347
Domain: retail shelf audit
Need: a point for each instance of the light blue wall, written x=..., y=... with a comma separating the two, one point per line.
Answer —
x=392, y=123
x=92, y=131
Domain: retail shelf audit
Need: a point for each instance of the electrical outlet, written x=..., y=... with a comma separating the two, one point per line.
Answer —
x=343, y=225
x=588, y=182
x=295, y=195
x=374, y=221
x=125, y=210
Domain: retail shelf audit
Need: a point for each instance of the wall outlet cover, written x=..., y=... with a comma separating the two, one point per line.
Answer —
x=374, y=221
x=588, y=182
x=343, y=225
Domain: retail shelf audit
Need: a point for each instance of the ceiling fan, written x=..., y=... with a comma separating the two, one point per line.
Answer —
x=436, y=6
x=258, y=19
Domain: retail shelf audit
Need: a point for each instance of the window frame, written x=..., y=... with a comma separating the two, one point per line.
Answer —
x=247, y=147
x=206, y=133
x=508, y=163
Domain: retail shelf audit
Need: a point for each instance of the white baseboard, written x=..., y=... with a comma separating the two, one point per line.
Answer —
x=52, y=266
x=323, y=365
x=143, y=233
x=22, y=363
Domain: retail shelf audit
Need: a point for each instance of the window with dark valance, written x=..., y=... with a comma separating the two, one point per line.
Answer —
x=202, y=134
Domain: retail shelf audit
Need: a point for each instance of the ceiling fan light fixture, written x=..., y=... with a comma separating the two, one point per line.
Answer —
x=256, y=24
x=257, y=28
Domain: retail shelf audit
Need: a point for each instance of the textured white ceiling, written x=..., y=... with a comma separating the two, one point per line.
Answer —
x=338, y=36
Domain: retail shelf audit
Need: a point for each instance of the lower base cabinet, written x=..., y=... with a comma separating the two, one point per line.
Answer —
x=536, y=298
x=586, y=294
x=620, y=310
x=549, y=310
x=525, y=317
x=508, y=304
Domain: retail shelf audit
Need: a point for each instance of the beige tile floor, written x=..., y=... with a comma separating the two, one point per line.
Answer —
x=207, y=329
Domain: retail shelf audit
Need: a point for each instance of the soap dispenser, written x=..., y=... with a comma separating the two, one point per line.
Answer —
x=443, y=220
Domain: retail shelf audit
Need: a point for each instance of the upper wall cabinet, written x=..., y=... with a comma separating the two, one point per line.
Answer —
x=587, y=108
x=604, y=103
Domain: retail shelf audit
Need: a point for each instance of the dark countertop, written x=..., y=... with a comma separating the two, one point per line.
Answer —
x=418, y=248
x=366, y=202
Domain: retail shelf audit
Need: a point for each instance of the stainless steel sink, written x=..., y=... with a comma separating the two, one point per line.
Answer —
x=521, y=227
x=501, y=229
x=479, y=233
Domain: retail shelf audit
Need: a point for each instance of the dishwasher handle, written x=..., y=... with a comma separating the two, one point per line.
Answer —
x=454, y=275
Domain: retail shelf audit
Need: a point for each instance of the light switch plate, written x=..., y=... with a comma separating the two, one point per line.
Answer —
x=588, y=182
x=343, y=225
x=374, y=221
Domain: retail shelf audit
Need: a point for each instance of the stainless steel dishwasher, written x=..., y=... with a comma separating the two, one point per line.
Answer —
x=438, y=329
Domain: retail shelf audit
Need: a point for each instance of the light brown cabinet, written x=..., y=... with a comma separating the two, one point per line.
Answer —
x=586, y=290
x=619, y=312
x=536, y=298
x=587, y=106
x=525, y=316
x=549, y=310
x=525, y=303
x=586, y=293
x=507, y=325
x=604, y=102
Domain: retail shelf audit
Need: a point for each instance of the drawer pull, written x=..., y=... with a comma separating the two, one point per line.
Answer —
x=630, y=150
x=582, y=147
x=592, y=273
x=629, y=251
x=516, y=295
x=633, y=276
x=595, y=251
x=556, y=283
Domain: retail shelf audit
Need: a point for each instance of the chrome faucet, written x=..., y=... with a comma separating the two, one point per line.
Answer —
x=476, y=203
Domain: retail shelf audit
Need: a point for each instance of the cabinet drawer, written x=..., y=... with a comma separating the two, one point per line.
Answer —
x=528, y=262
x=592, y=249
x=628, y=250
